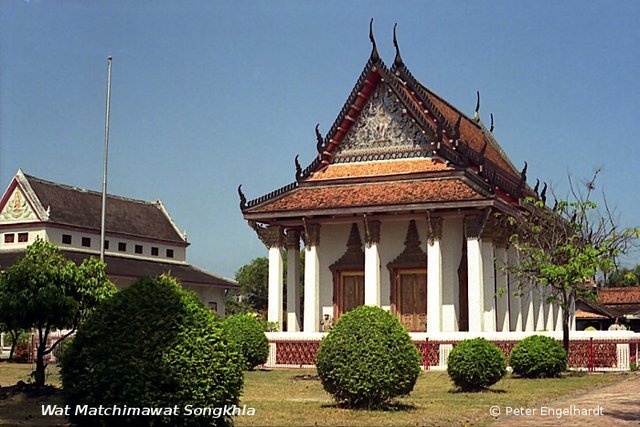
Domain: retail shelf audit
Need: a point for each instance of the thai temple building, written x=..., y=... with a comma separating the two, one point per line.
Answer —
x=403, y=207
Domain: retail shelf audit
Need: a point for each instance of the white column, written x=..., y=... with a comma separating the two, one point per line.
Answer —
x=515, y=303
x=502, y=290
x=312, y=280
x=293, y=281
x=476, y=291
x=488, y=285
x=434, y=283
x=276, y=283
x=372, y=264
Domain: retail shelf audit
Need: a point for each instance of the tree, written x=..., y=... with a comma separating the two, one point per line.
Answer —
x=253, y=279
x=623, y=277
x=565, y=247
x=44, y=291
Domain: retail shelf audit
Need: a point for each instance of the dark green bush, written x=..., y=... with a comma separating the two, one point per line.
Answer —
x=367, y=359
x=248, y=334
x=152, y=345
x=476, y=364
x=538, y=356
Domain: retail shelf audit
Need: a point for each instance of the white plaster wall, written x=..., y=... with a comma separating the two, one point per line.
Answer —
x=208, y=294
x=33, y=233
x=54, y=235
x=452, y=235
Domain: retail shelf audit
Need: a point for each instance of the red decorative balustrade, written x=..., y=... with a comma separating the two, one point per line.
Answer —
x=591, y=354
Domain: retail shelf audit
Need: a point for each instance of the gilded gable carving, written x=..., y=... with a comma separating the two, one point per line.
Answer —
x=17, y=208
x=383, y=130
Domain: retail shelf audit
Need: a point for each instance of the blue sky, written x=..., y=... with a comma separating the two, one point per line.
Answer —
x=207, y=95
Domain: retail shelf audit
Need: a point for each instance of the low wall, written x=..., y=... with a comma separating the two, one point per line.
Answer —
x=592, y=351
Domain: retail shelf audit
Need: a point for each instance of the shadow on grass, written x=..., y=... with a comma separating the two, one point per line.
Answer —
x=387, y=407
x=478, y=390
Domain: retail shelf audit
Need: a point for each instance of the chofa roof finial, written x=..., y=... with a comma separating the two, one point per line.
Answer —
x=491, y=128
x=319, y=139
x=476, y=113
x=374, y=51
x=398, y=59
x=243, y=199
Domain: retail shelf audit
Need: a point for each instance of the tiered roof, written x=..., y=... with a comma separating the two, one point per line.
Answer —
x=396, y=145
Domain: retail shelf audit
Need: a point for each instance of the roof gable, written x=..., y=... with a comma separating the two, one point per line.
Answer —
x=383, y=130
x=17, y=208
x=76, y=207
x=390, y=115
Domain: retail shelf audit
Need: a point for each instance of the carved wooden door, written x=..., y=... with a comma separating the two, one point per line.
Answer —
x=351, y=292
x=411, y=300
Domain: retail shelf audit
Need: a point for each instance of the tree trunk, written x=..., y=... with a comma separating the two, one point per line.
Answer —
x=14, y=343
x=565, y=334
x=39, y=373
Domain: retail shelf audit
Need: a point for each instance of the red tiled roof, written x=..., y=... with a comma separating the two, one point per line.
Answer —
x=377, y=194
x=379, y=168
x=627, y=295
x=581, y=314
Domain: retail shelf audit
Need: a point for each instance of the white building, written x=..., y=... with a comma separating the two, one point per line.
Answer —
x=402, y=208
x=140, y=238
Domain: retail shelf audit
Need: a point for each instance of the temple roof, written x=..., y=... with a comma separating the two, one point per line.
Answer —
x=392, y=126
x=66, y=205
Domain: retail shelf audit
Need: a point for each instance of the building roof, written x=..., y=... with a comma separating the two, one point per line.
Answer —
x=392, y=125
x=66, y=205
x=130, y=268
x=623, y=295
x=408, y=192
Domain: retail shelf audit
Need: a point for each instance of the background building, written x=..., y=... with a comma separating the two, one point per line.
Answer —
x=140, y=238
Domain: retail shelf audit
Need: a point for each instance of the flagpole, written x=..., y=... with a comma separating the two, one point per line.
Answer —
x=106, y=155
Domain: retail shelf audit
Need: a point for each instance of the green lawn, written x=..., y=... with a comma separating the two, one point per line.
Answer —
x=279, y=399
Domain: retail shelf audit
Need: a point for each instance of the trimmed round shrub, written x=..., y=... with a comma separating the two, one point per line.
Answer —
x=152, y=345
x=538, y=356
x=248, y=334
x=367, y=359
x=475, y=364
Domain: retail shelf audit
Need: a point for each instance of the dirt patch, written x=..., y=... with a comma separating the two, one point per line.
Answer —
x=305, y=378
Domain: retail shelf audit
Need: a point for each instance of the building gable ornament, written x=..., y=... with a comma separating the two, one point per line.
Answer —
x=383, y=130
x=17, y=208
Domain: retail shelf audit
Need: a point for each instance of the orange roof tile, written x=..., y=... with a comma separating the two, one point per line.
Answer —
x=581, y=314
x=629, y=295
x=379, y=168
x=380, y=194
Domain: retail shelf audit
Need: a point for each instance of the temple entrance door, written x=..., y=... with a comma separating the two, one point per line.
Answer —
x=411, y=299
x=350, y=291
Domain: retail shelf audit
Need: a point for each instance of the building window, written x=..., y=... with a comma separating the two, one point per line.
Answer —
x=154, y=251
x=213, y=306
x=122, y=246
x=23, y=237
x=106, y=244
x=138, y=249
x=8, y=238
x=66, y=239
x=169, y=253
x=86, y=242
